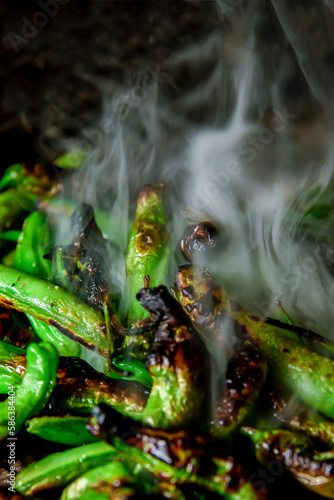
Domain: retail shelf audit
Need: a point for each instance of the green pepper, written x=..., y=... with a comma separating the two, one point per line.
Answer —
x=15, y=203
x=148, y=250
x=114, y=480
x=178, y=363
x=67, y=429
x=71, y=159
x=35, y=180
x=34, y=242
x=55, y=307
x=35, y=389
x=304, y=372
x=60, y=469
x=217, y=481
x=237, y=392
x=136, y=368
x=11, y=235
x=64, y=345
x=146, y=262
x=80, y=387
x=12, y=366
x=295, y=453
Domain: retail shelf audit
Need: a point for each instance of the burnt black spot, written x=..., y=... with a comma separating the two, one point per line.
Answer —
x=242, y=331
x=206, y=304
x=234, y=305
x=252, y=317
x=190, y=292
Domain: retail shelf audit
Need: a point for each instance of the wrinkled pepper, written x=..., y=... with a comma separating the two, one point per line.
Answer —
x=178, y=363
x=293, y=363
x=55, y=307
x=36, y=387
x=60, y=469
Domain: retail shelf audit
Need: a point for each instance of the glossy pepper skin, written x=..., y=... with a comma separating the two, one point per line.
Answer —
x=12, y=366
x=34, y=242
x=67, y=429
x=225, y=477
x=60, y=469
x=80, y=388
x=55, y=307
x=303, y=371
x=148, y=248
x=84, y=265
x=237, y=391
x=301, y=418
x=182, y=449
x=22, y=187
x=118, y=479
x=295, y=452
x=178, y=363
x=36, y=387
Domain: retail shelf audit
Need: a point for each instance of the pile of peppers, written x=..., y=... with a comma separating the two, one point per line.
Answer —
x=123, y=394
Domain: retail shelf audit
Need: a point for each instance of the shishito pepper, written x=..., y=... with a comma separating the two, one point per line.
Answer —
x=60, y=469
x=80, y=388
x=146, y=263
x=225, y=477
x=178, y=363
x=293, y=363
x=118, y=479
x=295, y=453
x=36, y=387
x=148, y=248
x=237, y=391
x=34, y=242
x=12, y=366
x=55, y=307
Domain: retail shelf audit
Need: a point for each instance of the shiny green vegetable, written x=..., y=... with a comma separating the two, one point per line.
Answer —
x=34, y=242
x=148, y=248
x=80, y=388
x=12, y=366
x=68, y=429
x=35, y=389
x=60, y=469
x=178, y=363
x=10, y=235
x=114, y=480
x=55, y=307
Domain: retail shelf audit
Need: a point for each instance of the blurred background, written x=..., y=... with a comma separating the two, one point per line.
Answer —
x=61, y=58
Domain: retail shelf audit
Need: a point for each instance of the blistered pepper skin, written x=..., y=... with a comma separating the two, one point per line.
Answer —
x=60, y=469
x=55, y=307
x=178, y=363
x=35, y=389
x=303, y=371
